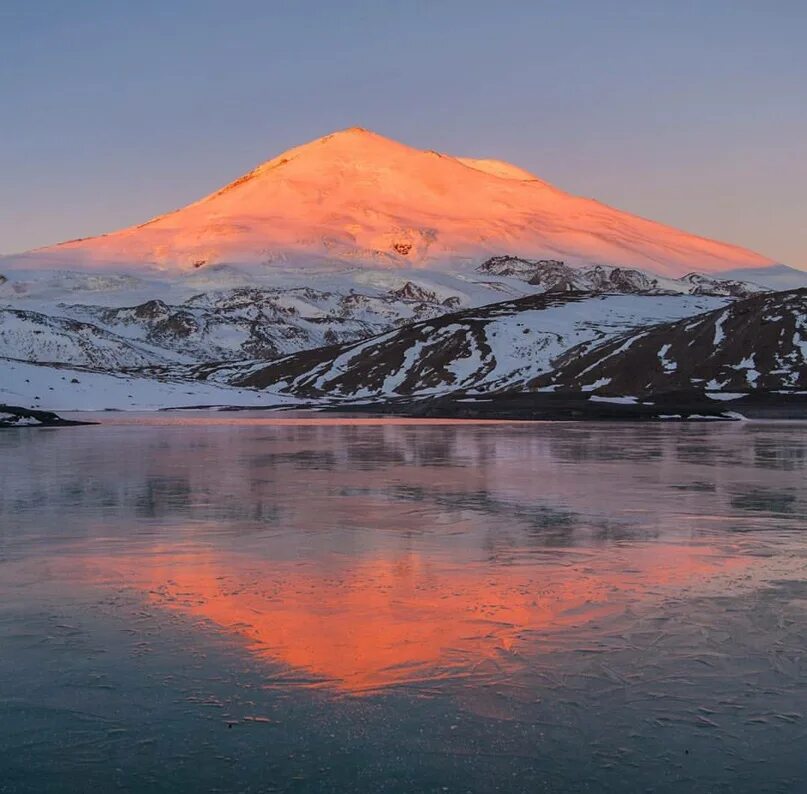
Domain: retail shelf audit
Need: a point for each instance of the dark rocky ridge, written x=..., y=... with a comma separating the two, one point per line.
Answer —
x=13, y=416
x=566, y=406
x=756, y=344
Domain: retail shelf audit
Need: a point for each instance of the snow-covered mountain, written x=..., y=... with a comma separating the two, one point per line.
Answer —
x=756, y=344
x=36, y=337
x=493, y=347
x=355, y=196
x=251, y=322
x=776, y=277
x=122, y=324
x=228, y=336
x=351, y=267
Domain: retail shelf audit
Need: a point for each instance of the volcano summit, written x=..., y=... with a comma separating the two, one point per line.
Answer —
x=357, y=197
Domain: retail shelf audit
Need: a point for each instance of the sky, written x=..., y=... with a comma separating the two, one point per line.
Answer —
x=690, y=113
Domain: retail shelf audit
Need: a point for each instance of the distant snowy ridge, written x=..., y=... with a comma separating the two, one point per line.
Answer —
x=236, y=323
x=36, y=337
x=228, y=335
x=553, y=275
x=774, y=277
x=261, y=323
x=230, y=314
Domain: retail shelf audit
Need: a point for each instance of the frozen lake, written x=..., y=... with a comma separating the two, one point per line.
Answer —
x=253, y=602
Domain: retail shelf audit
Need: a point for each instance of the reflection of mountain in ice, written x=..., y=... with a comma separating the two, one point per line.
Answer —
x=558, y=595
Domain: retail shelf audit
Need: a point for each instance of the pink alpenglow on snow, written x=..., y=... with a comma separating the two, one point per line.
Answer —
x=355, y=196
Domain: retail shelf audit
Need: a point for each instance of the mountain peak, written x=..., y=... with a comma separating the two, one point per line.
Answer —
x=356, y=143
x=350, y=136
x=351, y=132
x=357, y=197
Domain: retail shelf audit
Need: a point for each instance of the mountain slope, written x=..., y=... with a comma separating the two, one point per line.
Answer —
x=36, y=337
x=356, y=196
x=756, y=344
x=262, y=323
x=65, y=388
x=776, y=277
x=501, y=345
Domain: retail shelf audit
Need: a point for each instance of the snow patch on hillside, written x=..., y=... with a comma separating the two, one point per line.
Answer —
x=70, y=389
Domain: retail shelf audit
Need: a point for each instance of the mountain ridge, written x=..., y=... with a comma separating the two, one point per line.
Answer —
x=759, y=343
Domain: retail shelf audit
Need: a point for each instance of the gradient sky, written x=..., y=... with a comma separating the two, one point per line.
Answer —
x=691, y=113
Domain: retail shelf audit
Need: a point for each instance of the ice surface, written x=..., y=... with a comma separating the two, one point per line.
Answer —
x=199, y=600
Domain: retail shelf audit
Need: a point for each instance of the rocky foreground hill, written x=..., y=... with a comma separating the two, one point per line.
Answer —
x=486, y=349
x=747, y=359
x=758, y=344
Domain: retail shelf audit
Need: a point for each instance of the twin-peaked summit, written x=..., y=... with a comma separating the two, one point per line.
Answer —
x=355, y=196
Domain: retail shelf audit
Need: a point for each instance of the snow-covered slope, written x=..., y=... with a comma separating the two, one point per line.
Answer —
x=755, y=344
x=492, y=347
x=63, y=388
x=221, y=316
x=260, y=323
x=355, y=196
x=33, y=336
x=57, y=315
x=777, y=277
x=40, y=289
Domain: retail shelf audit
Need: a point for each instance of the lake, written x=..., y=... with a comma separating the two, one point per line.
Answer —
x=257, y=602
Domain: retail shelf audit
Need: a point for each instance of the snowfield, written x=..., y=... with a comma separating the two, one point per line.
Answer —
x=69, y=389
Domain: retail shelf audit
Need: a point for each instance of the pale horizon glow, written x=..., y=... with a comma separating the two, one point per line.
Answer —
x=692, y=116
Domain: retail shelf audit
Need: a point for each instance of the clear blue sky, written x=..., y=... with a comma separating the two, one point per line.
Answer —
x=693, y=113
